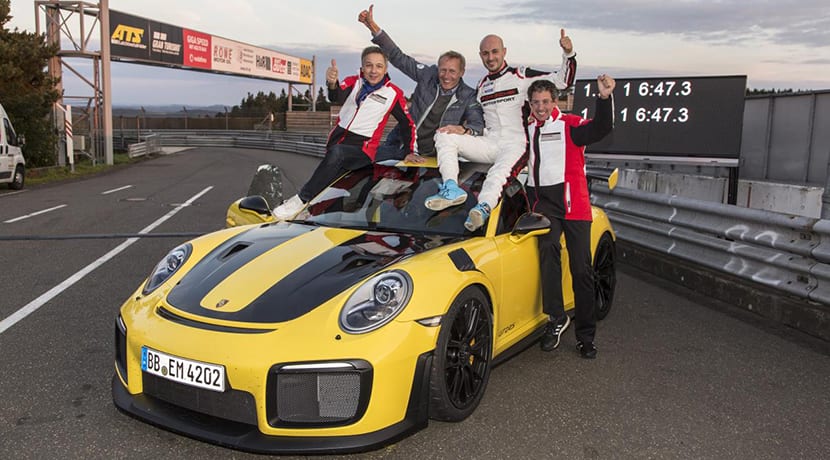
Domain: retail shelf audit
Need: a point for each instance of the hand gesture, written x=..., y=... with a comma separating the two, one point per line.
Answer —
x=331, y=74
x=414, y=158
x=565, y=42
x=606, y=85
x=452, y=129
x=367, y=18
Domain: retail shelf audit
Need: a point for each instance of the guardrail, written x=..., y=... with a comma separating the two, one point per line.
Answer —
x=781, y=251
x=150, y=144
x=306, y=143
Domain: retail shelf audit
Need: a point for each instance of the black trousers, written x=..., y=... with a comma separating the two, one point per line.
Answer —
x=578, y=241
x=339, y=159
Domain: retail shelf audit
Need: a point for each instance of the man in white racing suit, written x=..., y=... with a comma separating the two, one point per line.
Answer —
x=502, y=94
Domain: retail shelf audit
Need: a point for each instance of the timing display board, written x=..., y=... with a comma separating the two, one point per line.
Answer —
x=672, y=117
x=134, y=38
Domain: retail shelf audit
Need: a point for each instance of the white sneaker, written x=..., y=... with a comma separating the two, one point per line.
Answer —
x=289, y=208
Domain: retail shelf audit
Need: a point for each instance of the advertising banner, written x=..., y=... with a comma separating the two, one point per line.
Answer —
x=133, y=38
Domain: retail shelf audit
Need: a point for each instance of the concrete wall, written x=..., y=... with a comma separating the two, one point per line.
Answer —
x=802, y=200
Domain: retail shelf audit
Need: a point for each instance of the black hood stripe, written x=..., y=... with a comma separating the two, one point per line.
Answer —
x=226, y=259
x=307, y=287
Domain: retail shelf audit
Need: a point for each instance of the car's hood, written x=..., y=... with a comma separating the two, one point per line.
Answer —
x=275, y=273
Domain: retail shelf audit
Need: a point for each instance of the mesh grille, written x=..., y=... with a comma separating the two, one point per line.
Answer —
x=121, y=351
x=235, y=405
x=317, y=397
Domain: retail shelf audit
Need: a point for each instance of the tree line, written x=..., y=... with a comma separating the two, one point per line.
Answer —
x=259, y=104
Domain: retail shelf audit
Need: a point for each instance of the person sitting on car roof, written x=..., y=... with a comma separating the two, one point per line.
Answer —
x=368, y=99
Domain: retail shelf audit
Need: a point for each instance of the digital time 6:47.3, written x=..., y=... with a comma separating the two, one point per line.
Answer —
x=686, y=116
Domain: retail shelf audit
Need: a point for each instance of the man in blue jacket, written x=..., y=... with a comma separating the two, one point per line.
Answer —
x=440, y=98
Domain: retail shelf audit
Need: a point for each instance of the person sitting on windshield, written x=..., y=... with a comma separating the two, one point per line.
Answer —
x=368, y=99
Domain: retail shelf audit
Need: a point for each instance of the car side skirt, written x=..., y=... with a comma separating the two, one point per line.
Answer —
x=519, y=346
x=248, y=438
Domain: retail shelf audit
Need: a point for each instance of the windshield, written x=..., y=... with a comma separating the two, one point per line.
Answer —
x=391, y=198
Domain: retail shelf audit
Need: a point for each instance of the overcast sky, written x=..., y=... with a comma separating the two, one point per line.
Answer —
x=777, y=44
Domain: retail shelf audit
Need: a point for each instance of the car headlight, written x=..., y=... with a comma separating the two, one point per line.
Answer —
x=376, y=302
x=166, y=267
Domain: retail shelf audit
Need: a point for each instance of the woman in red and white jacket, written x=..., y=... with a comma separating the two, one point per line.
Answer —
x=558, y=188
x=368, y=100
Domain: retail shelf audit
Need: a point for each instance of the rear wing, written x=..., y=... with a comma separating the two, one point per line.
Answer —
x=594, y=173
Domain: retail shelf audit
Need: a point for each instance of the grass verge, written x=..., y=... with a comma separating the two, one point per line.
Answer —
x=83, y=168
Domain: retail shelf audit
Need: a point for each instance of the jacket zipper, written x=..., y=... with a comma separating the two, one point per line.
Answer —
x=568, y=196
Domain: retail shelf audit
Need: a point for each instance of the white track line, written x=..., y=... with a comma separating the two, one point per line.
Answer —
x=33, y=214
x=116, y=190
x=13, y=193
x=33, y=306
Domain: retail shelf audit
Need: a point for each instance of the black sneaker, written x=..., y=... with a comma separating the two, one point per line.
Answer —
x=587, y=350
x=553, y=332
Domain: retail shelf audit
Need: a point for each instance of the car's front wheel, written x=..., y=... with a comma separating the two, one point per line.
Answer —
x=605, y=275
x=461, y=366
x=17, y=181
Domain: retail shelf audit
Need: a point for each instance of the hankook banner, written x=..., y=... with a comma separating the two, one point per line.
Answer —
x=134, y=38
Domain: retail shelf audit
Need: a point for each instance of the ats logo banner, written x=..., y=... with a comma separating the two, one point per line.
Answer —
x=128, y=36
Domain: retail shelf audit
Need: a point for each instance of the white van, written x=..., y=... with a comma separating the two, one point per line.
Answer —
x=12, y=164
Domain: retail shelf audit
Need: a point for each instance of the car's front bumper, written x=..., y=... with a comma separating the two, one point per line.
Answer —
x=248, y=437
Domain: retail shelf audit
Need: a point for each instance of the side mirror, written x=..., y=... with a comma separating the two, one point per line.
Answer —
x=248, y=210
x=529, y=225
x=255, y=203
x=21, y=140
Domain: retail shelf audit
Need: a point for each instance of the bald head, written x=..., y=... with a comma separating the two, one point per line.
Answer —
x=490, y=41
x=492, y=52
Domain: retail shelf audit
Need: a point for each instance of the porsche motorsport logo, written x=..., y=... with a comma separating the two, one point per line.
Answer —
x=222, y=303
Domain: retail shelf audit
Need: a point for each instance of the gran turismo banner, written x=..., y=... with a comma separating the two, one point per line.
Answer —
x=138, y=39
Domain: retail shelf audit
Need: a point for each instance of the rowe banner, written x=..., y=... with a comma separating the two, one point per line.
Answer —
x=133, y=38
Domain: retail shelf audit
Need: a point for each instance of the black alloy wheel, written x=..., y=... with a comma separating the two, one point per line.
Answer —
x=461, y=365
x=605, y=275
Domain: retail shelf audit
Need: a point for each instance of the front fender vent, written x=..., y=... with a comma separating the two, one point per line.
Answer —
x=462, y=260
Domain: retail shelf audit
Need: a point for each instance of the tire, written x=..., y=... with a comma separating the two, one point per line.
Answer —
x=605, y=275
x=463, y=356
x=18, y=179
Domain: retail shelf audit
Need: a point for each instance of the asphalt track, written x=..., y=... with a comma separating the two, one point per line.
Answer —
x=678, y=375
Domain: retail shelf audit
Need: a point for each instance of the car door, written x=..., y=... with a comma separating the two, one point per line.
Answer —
x=520, y=308
x=7, y=154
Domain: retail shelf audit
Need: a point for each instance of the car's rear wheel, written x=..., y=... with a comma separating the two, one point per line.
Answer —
x=17, y=181
x=461, y=366
x=605, y=275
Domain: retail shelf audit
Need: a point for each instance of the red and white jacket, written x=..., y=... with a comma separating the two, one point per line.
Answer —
x=557, y=186
x=362, y=123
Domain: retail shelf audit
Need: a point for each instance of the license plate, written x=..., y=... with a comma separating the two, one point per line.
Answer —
x=186, y=371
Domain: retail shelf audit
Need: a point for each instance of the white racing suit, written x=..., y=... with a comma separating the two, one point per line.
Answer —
x=502, y=96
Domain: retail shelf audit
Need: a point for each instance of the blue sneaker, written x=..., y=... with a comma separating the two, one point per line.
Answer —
x=477, y=217
x=450, y=194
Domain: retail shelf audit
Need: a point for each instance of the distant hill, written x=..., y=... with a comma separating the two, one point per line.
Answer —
x=167, y=111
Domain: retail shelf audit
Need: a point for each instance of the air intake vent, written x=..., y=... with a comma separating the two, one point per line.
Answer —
x=318, y=394
x=233, y=250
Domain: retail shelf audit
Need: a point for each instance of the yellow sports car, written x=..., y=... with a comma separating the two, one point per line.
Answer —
x=344, y=329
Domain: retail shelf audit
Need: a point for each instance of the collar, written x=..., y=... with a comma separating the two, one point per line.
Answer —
x=365, y=82
x=555, y=114
x=498, y=73
x=448, y=92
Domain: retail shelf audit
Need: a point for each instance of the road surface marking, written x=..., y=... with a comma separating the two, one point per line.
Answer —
x=116, y=190
x=34, y=305
x=33, y=214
